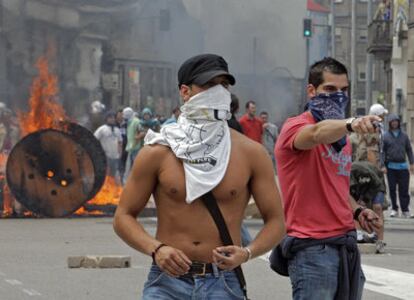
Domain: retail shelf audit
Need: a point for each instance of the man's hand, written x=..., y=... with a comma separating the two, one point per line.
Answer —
x=369, y=220
x=172, y=261
x=412, y=168
x=365, y=124
x=229, y=257
x=384, y=170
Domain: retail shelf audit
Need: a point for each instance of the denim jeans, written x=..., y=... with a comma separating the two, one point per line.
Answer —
x=402, y=179
x=246, y=238
x=313, y=273
x=220, y=285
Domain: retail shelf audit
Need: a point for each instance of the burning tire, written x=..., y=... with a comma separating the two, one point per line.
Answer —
x=54, y=172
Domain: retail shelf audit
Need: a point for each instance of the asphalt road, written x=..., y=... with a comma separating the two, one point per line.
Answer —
x=33, y=263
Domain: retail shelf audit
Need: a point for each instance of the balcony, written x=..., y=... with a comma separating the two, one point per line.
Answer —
x=380, y=39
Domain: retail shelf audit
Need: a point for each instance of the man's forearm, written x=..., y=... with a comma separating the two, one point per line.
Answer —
x=268, y=237
x=354, y=204
x=132, y=232
x=329, y=131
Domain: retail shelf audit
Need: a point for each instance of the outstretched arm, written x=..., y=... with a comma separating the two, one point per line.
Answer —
x=330, y=131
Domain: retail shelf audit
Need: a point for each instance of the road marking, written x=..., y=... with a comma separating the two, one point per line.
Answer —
x=384, y=281
x=389, y=282
x=32, y=292
x=13, y=281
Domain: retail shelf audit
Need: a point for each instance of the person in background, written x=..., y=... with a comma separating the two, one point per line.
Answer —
x=252, y=126
x=234, y=108
x=366, y=182
x=269, y=137
x=397, y=148
x=122, y=125
x=174, y=117
x=135, y=137
x=110, y=138
x=368, y=148
x=148, y=121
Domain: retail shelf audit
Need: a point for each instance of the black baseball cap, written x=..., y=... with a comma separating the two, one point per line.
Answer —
x=202, y=68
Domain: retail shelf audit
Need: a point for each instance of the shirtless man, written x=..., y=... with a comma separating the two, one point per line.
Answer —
x=184, y=225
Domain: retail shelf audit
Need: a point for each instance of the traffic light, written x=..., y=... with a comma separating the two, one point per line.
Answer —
x=165, y=19
x=307, y=28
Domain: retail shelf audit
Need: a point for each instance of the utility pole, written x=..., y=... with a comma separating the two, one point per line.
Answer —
x=353, y=52
x=333, y=35
x=368, y=71
x=410, y=77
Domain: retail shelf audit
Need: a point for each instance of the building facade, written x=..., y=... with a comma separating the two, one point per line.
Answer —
x=121, y=52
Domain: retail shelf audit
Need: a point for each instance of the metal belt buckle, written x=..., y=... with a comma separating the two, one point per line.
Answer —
x=204, y=270
x=203, y=267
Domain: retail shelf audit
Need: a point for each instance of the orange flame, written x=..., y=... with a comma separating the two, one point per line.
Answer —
x=44, y=111
x=7, y=201
x=110, y=193
x=3, y=162
x=83, y=211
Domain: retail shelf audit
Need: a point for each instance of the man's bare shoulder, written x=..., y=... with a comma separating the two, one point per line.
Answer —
x=244, y=144
x=156, y=153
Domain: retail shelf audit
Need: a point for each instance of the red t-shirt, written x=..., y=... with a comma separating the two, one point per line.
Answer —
x=314, y=184
x=252, y=128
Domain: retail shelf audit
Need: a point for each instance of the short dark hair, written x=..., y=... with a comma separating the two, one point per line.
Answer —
x=234, y=105
x=176, y=109
x=250, y=102
x=328, y=64
x=264, y=113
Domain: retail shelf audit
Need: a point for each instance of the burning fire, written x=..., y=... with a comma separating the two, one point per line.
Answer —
x=110, y=193
x=44, y=112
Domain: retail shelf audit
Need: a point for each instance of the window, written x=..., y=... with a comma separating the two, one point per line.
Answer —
x=338, y=31
x=363, y=35
x=362, y=76
x=339, y=1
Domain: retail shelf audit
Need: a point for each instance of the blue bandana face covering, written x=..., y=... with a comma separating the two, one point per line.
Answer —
x=329, y=107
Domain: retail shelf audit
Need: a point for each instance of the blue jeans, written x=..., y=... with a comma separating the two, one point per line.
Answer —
x=246, y=238
x=402, y=179
x=314, y=271
x=220, y=285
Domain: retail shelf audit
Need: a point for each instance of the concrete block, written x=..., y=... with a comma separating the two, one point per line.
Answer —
x=94, y=261
x=75, y=261
x=115, y=261
x=366, y=248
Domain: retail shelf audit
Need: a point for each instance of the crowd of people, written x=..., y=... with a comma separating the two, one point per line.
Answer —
x=122, y=133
